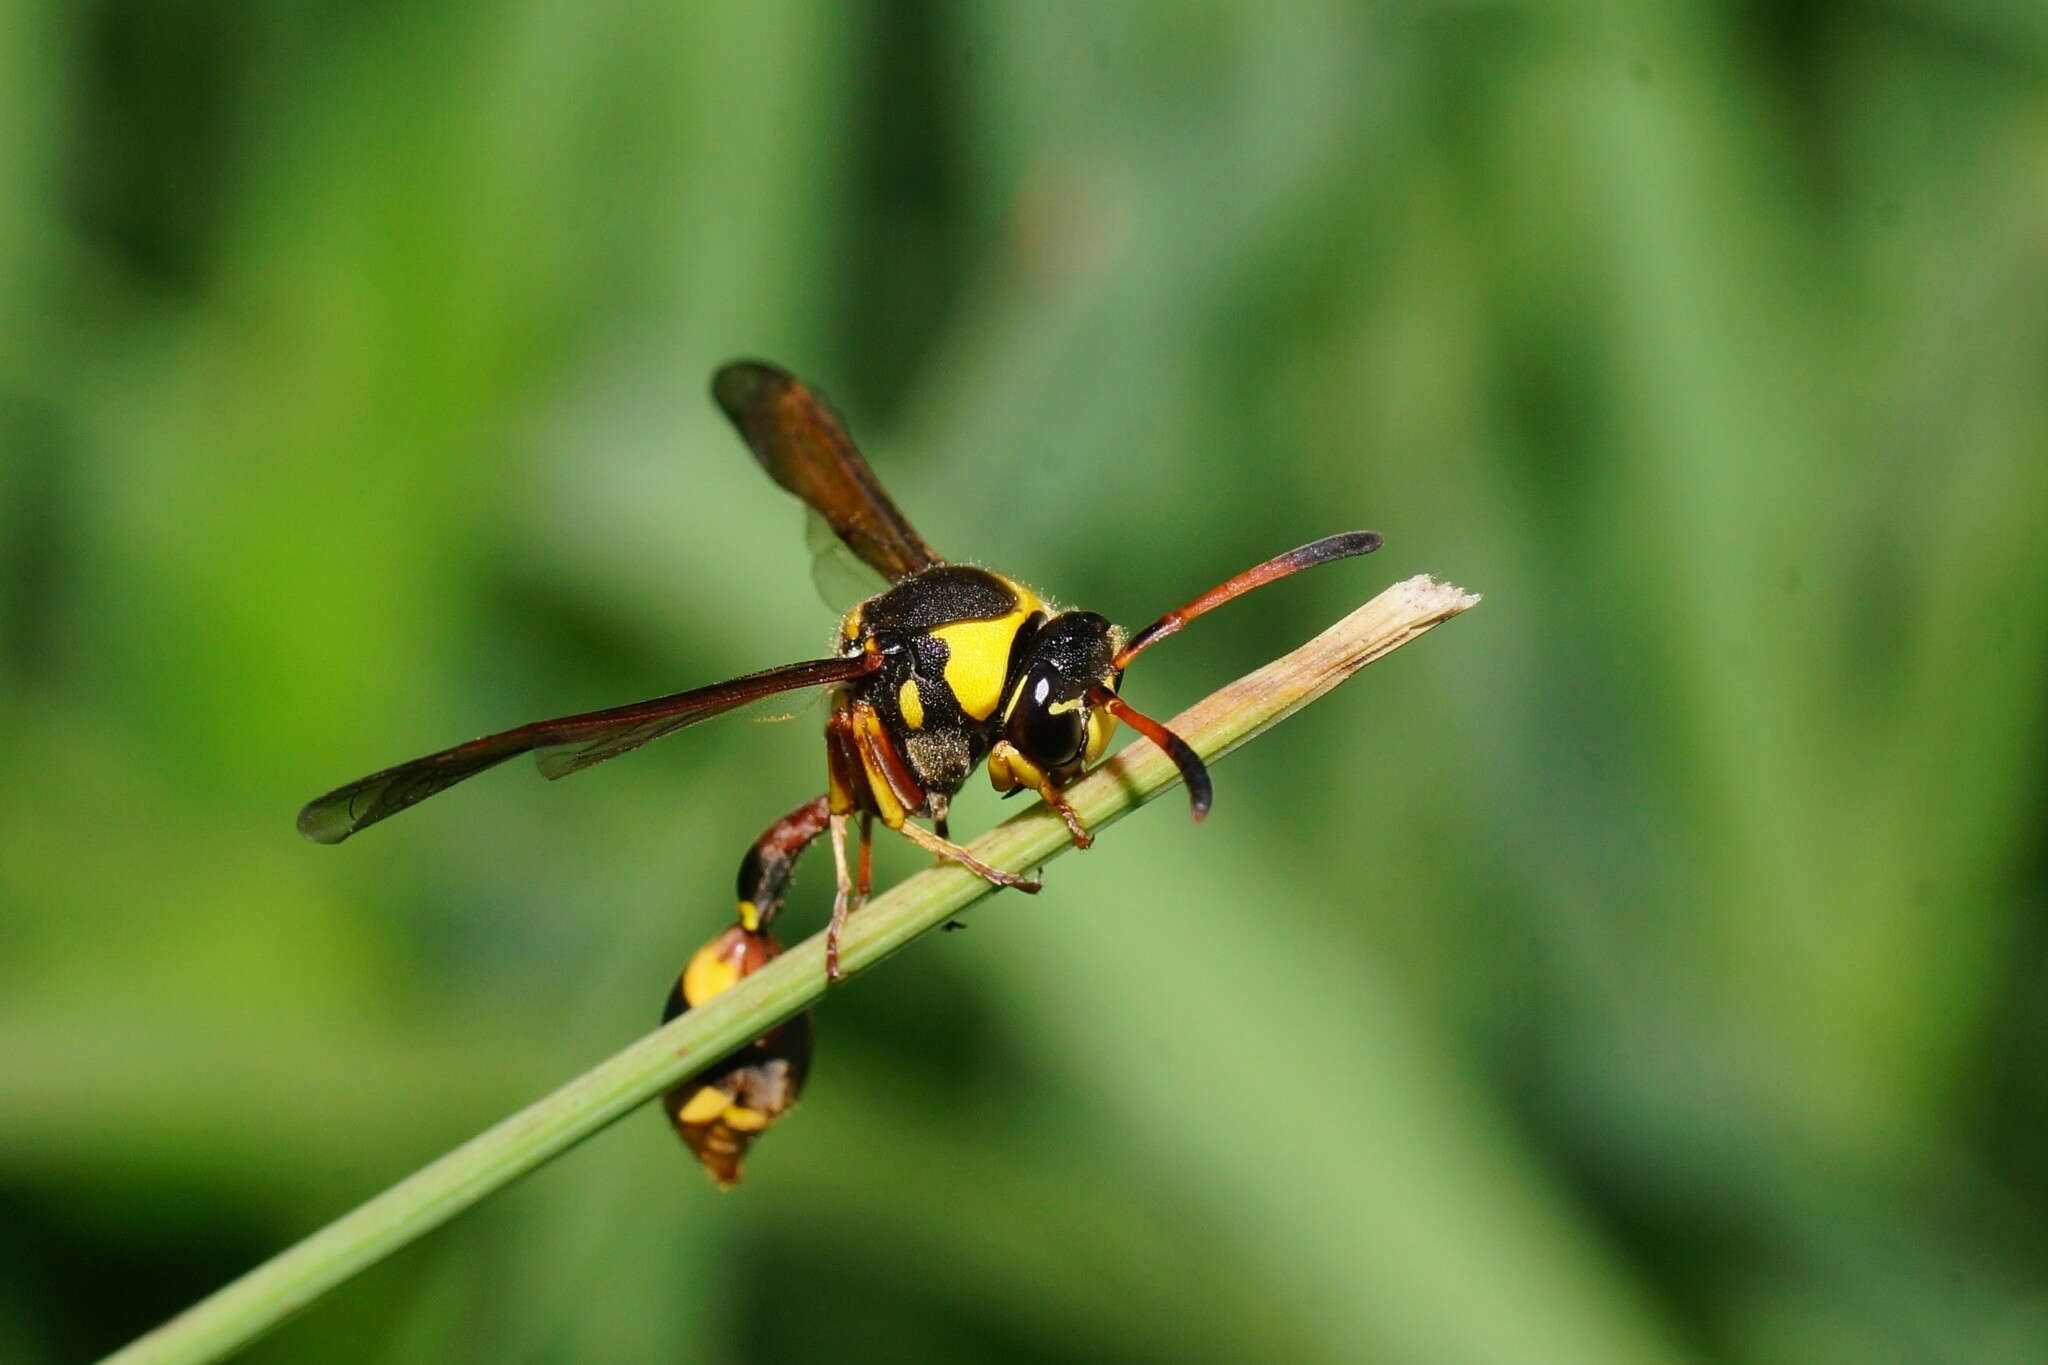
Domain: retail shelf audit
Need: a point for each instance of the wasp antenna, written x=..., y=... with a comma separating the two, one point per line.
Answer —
x=1192, y=770
x=1294, y=561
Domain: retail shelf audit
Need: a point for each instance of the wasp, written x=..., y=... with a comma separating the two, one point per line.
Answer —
x=947, y=668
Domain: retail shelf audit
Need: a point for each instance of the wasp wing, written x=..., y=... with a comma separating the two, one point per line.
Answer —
x=805, y=449
x=562, y=746
x=843, y=579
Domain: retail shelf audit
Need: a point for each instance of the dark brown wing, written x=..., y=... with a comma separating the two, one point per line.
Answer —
x=566, y=744
x=802, y=446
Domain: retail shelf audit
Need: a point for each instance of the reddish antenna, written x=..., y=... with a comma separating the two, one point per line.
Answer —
x=1280, y=566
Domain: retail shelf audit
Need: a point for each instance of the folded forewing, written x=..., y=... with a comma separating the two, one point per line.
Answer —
x=562, y=746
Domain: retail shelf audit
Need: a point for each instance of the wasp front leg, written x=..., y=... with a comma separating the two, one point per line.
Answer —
x=945, y=850
x=897, y=794
x=1009, y=770
x=1057, y=799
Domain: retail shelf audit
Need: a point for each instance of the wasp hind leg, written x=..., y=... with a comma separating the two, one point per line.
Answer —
x=948, y=851
x=842, y=899
x=853, y=890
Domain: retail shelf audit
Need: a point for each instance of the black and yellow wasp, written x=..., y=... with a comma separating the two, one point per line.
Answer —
x=948, y=667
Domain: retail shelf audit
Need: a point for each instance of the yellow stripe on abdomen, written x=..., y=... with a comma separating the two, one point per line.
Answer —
x=703, y=1107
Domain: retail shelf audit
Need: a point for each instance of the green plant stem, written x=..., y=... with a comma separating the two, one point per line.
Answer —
x=236, y=1314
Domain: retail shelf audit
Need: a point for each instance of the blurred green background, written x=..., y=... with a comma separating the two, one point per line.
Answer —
x=1647, y=967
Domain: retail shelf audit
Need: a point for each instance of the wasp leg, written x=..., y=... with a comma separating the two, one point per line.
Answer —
x=842, y=900
x=844, y=904
x=892, y=789
x=864, y=873
x=953, y=853
x=766, y=870
x=1057, y=799
x=1011, y=772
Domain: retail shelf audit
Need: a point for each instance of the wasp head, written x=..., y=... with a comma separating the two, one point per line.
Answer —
x=1054, y=728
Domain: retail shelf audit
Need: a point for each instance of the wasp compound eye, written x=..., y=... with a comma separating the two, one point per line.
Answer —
x=1050, y=732
x=1049, y=720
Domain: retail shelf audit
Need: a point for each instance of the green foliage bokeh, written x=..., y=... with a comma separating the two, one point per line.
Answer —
x=1647, y=967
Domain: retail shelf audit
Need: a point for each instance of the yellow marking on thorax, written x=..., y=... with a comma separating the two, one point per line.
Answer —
x=910, y=704
x=750, y=916
x=850, y=627
x=978, y=656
